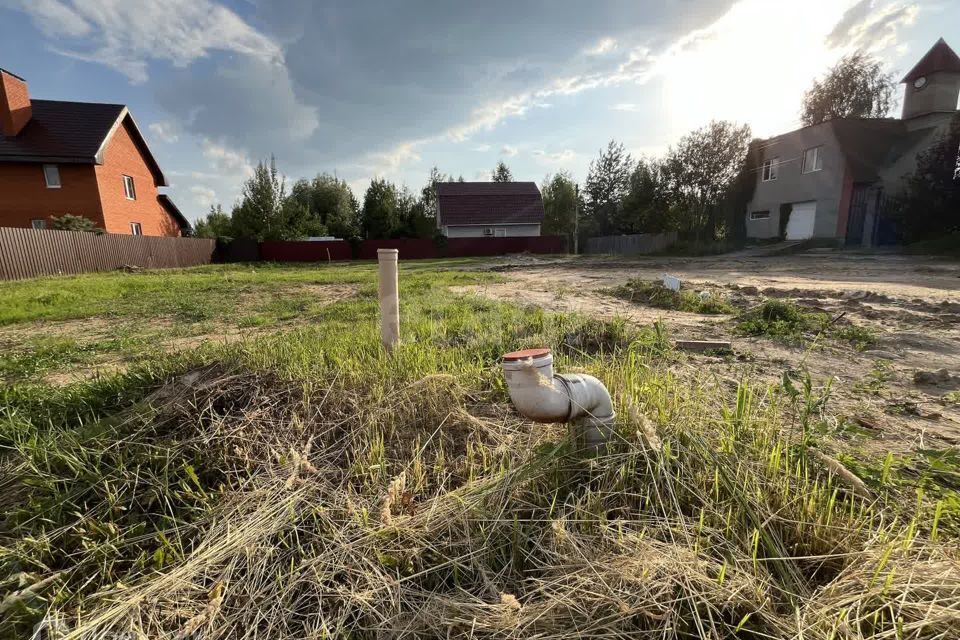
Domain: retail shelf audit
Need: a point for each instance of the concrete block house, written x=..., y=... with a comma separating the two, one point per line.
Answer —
x=84, y=159
x=828, y=181
x=489, y=209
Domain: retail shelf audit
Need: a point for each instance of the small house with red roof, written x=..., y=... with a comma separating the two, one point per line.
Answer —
x=489, y=209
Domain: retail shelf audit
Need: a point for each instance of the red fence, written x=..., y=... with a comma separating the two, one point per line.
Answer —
x=409, y=248
x=413, y=248
x=305, y=250
x=463, y=247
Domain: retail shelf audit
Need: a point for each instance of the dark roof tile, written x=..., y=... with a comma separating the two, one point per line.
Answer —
x=940, y=58
x=64, y=132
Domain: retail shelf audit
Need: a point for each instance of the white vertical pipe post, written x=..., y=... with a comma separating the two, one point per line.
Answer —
x=389, y=297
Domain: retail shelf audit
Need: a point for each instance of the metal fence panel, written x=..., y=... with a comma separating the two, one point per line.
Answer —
x=27, y=253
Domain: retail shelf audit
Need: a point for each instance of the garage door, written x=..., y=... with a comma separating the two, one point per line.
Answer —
x=800, y=224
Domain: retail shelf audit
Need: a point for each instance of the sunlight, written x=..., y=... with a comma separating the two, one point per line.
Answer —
x=752, y=65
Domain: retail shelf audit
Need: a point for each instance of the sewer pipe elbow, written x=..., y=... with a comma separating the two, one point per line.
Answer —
x=542, y=396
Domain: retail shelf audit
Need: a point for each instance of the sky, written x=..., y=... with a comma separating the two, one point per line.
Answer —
x=391, y=88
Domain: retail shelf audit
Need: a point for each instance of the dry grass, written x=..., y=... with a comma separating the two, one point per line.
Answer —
x=352, y=494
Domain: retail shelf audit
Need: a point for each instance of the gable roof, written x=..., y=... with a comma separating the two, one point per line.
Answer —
x=478, y=203
x=61, y=132
x=940, y=58
x=174, y=211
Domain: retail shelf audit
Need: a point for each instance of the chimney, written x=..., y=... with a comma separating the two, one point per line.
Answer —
x=15, y=108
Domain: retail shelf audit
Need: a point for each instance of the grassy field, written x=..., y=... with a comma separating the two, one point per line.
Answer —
x=295, y=481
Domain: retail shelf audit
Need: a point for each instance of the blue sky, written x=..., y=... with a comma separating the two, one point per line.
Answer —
x=392, y=88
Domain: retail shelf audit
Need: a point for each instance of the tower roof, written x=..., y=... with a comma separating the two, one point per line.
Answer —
x=940, y=58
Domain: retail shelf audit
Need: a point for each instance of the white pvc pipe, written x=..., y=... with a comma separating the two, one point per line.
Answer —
x=388, y=289
x=543, y=396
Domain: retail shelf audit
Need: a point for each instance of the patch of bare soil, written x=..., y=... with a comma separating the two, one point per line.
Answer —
x=911, y=304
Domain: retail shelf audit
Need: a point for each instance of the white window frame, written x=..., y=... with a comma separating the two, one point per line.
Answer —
x=500, y=232
x=817, y=159
x=771, y=169
x=38, y=223
x=136, y=229
x=51, y=170
x=759, y=215
x=129, y=188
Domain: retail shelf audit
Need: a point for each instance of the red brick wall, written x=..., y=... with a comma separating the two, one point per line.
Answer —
x=14, y=104
x=120, y=158
x=24, y=195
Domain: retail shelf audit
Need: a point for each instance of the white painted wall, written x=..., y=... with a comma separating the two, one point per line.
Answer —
x=499, y=230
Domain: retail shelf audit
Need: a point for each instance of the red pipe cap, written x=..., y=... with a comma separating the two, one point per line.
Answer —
x=525, y=353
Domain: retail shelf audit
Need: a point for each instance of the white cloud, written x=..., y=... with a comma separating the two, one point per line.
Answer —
x=626, y=106
x=164, y=131
x=203, y=196
x=509, y=150
x=712, y=72
x=602, y=47
x=555, y=157
x=227, y=161
x=869, y=27
x=125, y=35
x=482, y=148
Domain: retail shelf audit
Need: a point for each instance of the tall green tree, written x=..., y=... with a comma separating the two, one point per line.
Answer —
x=560, y=204
x=646, y=206
x=216, y=224
x=331, y=202
x=608, y=182
x=428, y=195
x=700, y=171
x=381, y=213
x=929, y=206
x=501, y=173
x=260, y=212
x=857, y=87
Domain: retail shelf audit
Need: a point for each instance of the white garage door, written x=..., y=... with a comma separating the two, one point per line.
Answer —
x=800, y=224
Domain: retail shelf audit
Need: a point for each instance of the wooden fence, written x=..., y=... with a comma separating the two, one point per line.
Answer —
x=631, y=245
x=27, y=253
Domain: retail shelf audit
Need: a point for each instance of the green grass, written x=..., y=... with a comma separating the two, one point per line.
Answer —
x=656, y=295
x=786, y=321
x=305, y=483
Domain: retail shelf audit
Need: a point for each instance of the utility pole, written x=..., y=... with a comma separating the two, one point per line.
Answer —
x=576, y=219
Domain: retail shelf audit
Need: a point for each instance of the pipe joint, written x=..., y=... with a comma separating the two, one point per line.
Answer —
x=542, y=396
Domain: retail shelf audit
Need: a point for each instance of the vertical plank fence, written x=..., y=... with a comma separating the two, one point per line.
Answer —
x=27, y=253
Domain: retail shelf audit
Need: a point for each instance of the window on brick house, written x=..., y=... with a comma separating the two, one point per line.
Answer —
x=128, y=189
x=38, y=223
x=136, y=229
x=51, y=174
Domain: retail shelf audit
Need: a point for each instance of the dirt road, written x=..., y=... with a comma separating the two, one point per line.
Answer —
x=911, y=304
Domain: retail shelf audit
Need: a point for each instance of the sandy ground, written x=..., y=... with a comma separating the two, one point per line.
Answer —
x=912, y=303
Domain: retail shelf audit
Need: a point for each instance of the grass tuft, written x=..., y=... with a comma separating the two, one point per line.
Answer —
x=656, y=295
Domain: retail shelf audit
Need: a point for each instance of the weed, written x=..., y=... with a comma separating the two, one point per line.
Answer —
x=788, y=322
x=657, y=295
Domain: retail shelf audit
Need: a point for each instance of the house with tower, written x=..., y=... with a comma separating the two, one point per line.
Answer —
x=829, y=181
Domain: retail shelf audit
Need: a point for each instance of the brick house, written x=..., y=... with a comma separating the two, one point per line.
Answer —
x=85, y=159
x=491, y=209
